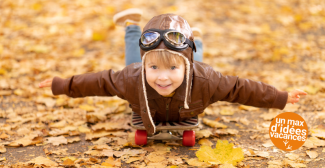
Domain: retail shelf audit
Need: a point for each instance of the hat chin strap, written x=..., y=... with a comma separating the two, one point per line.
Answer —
x=187, y=65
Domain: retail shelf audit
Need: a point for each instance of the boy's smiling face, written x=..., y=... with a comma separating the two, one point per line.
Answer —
x=165, y=79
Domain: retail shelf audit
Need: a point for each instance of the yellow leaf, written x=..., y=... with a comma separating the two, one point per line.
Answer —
x=196, y=162
x=87, y=107
x=37, y=6
x=224, y=153
x=110, y=9
x=2, y=71
x=214, y=124
x=311, y=89
x=107, y=164
x=1, y=48
x=68, y=162
x=111, y=162
x=226, y=112
x=205, y=142
x=298, y=18
x=171, y=9
x=19, y=92
x=61, y=101
x=99, y=35
x=83, y=129
x=78, y=52
x=69, y=158
x=248, y=108
x=206, y=154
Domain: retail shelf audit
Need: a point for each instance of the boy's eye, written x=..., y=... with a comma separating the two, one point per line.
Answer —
x=154, y=67
x=173, y=67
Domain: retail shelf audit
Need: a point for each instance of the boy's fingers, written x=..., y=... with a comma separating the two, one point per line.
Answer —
x=301, y=92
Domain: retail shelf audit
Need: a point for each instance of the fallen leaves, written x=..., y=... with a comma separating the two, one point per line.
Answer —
x=313, y=142
x=214, y=124
x=2, y=149
x=27, y=140
x=197, y=162
x=110, y=126
x=320, y=133
x=98, y=134
x=205, y=142
x=42, y=161
x=312, y=154
x=224, y=153
x=56, y=141
x=205, y=133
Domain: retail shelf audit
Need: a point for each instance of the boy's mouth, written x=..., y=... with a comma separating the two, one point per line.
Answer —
x=163, y=86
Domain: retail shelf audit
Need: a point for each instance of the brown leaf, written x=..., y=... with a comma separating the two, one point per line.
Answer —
x=27, y=140
x=213, y=124
x=203, y=134
x=75, y=139
x=4, y=136
x=42, y=161
x=56, y=141
x=68, y=162
x=2, y=149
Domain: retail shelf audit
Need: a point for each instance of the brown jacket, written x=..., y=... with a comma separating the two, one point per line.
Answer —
x=208, y=87
x=201, y=87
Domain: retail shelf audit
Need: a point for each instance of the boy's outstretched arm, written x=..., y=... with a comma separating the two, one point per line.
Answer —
x=293, y=96
x=103, y=83
x=249, y=92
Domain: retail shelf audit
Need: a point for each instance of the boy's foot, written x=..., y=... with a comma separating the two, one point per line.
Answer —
x=197, y=33
x=128, y=17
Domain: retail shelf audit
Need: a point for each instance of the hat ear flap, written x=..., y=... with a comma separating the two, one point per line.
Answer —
x=194, y=46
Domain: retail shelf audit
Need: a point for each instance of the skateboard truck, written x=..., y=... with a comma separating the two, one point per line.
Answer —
x=163, y=130
x=164, y=135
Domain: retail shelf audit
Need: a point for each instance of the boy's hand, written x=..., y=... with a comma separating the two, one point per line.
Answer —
x=293, y=96
x=46, y=83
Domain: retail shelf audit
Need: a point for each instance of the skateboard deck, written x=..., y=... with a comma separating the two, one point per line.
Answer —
x=182, y=125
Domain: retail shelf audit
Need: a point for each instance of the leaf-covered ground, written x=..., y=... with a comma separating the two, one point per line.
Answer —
x=278, y=42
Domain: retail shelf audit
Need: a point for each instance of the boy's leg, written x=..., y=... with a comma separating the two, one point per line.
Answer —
x=129, y=19
x=132, y=49
x=198, y=55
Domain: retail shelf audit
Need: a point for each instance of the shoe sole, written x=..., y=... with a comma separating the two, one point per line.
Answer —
x=196, y=31
x=133, y=14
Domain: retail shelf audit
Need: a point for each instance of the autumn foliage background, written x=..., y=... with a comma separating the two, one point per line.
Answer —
x=278, y=42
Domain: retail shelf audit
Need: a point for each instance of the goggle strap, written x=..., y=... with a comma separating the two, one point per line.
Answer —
x=191, y=44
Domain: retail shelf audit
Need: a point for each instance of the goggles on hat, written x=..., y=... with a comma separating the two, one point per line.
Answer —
x=173, y=40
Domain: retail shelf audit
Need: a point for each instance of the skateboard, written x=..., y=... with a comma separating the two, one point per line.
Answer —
x=163, y=130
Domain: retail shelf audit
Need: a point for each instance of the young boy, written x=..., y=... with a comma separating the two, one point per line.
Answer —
x=168, y=85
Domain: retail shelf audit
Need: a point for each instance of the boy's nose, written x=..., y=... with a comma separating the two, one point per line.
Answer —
x=162, y=76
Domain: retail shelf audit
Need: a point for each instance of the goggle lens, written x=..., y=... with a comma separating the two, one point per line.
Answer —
x=176, y=37
x=149, y=37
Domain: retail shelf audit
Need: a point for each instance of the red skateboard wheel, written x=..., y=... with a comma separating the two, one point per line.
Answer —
x=140, y=137
x=188, y=138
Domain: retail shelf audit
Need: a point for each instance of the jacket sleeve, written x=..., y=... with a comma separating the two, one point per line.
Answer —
x=104, y=83
x=245, y=91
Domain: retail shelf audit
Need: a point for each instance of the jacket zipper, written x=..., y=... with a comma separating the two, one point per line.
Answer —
x=180, y=108
x=167, y=112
